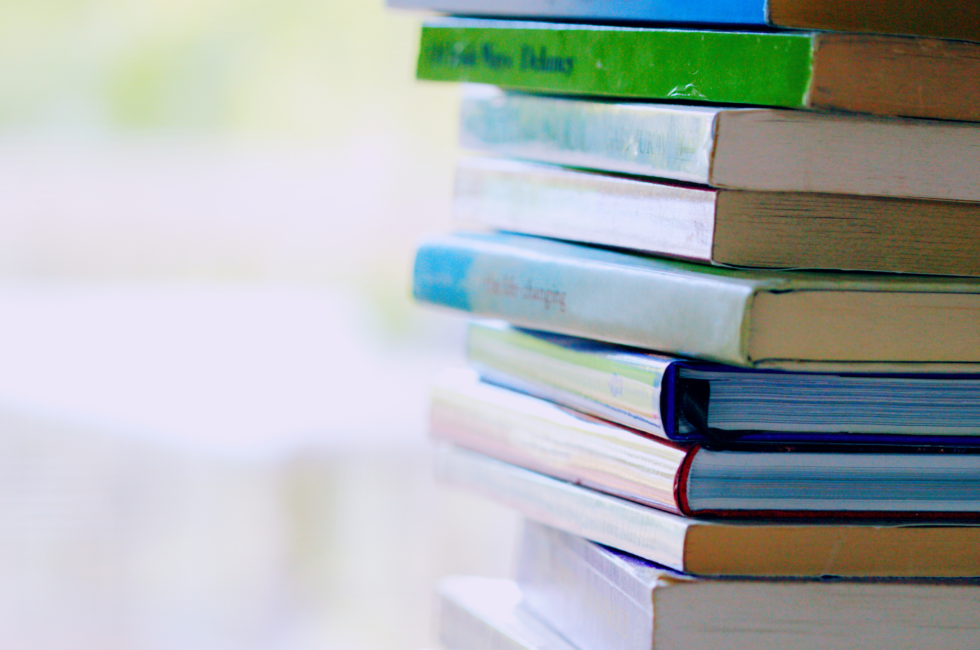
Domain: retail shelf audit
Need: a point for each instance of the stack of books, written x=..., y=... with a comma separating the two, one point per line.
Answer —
x=730, y=364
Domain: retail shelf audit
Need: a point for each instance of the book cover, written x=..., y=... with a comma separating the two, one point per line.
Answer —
x=790, y=320
x=791, y=151
x=800, y=230
x=690, y=401
x=599, y=598
x=813, y=481
x=941, y=19
x=719, y=547
x=879, y=75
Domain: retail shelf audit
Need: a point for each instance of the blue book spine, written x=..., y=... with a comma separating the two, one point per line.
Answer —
x=727, y=12
x=592, y=293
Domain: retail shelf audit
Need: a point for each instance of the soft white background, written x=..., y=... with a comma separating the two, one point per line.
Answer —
x=213, y=382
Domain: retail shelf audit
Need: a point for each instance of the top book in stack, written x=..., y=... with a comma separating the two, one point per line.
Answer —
x=878, y=75
x=938, y=18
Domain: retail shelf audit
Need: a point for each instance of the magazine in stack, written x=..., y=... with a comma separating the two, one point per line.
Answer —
x=724, y=351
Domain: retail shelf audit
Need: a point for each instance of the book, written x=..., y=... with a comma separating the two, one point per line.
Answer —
x=698, y=480
x=718, y=226
x=485, y=614
x=791, y=151
x=720, y=547
x=692, y=401
x=780, y=319
x=943, y=19
x=598, y=598
x=879, y=75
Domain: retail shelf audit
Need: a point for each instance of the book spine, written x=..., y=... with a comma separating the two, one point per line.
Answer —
x=597, y=384
x=670, y=220
x=770, y=69
x=673, y=142
x=543, y=437
x=736, y=12
x=586, y=292
x=649, y=533
x=579, y=588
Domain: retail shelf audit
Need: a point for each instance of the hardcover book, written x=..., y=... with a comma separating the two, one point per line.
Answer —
x=727, y=227
x=783, y=319
x=880, y=75
x=721, y=547
x=692, y=401
x=940, y=18
x=815, y=481
x=599, y=598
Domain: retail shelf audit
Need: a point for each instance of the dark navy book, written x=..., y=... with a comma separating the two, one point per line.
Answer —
x=695, y=401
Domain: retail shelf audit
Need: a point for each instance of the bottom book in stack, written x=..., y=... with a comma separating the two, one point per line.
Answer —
x=570, y=594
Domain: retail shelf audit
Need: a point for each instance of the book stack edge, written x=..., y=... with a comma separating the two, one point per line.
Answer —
x=726, y=350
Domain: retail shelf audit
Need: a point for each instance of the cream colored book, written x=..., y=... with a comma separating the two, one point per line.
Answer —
x=726, y=227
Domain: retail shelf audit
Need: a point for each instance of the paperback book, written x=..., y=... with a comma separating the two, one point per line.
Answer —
x=880, y=75
x=779, y=319
x=791, y=151
x=725, y=227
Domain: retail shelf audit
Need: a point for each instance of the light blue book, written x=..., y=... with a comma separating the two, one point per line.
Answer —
x=937, y=18
x=777, y=319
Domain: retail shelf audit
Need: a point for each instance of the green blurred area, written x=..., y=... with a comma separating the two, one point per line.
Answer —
x=199, y=162
x=246, y=141
x=305, y=68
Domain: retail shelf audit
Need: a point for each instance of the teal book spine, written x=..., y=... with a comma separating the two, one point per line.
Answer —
x=640, y=138
x=732, y=12
x=778, y=319
x=949, y=19
x=586, y=292
x=770, y=69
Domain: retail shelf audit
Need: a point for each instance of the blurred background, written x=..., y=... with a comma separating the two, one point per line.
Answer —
x=213, y=381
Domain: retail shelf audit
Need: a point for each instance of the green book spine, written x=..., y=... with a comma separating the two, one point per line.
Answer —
x=771, y=69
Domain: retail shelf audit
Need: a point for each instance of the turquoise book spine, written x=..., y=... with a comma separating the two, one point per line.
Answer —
x=587, y=292
x=733, y=12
